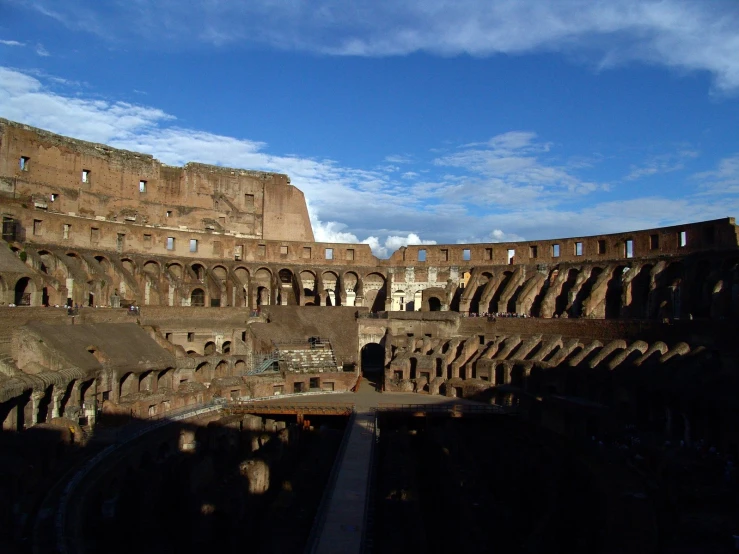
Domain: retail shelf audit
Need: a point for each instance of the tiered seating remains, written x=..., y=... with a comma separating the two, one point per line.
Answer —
x=314, y=356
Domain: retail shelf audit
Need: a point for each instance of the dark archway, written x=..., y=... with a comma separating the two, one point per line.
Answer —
x=23, y=292
x=197, y=298
x=434, y=304
x=373, y=364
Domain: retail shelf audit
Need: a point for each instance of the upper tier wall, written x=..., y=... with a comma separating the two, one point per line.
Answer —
x=75, y=177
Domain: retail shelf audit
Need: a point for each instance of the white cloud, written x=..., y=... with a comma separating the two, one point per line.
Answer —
x=365, y=198
x=522, y=191
x=664, y=163
x=11, y=43
x=41, y=51
x=690, y=35
x=722, y=180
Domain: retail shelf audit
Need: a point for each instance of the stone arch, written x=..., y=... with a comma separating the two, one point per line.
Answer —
x=640, y=287
x=202, y=372
x=220, y=272
x=198, y=271
x=614, y=293
x=175, y=270
x=351, y=288
x=151, y=268
x=330, y=282
x=374, y=286
x=209, y=349
x=129, y=384
x=263, y=284
x=372, y=358
x=310, y=288
x=481, y=282
x=129, y=265
x=239, y=367
x=434, y=304
x=222, y=369
x=197, y=297
x=226, y=347
x=24, y=289
x=563, y=298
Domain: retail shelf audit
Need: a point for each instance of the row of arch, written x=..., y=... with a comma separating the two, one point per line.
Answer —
x=699, y=287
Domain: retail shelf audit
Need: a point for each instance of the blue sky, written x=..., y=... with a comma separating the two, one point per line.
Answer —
x=407, y=121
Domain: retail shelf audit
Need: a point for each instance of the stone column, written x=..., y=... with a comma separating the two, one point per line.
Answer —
x=56, y=401
x=35, y=401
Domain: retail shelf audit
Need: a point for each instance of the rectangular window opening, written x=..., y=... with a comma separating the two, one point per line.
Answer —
x=85, y=175
x=683, y=239
x=54, y=196
x=262, y=250
x=466, y=255
x=306, y=252
x=142, y=186
x=147, y=241
x=283, y=250
x=709, y=235
x=249, y=201
x=601, y=246
x=444, y=255
x=653, y=242
x=555, y=251
x=67, y=227
x=217, y=247
x=578, y=249
x=422, y=255
x=37, y=226
x=488, y=254
x=23, y=163
x=193, y=245
x=329, y=254
x=350, y=253
x=511, y=255
x=533, y=251
x=238, y=252
x=170, y=243
x=190, y=336
x=94, y=235
x=169, y=213
x=629, y=248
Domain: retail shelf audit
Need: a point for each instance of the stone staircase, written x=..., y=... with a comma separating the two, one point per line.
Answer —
x=309, y=360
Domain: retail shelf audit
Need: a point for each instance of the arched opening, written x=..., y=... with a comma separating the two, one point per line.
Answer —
x=482, y=282
x=210, y=348
x=434, y=304
x=222, y=369
x=23, y=290
x=128, y=384
x=614, y=291
x=373, y=363
x=375, y=292
x=414, y=366
x=226, y=348
x=197, y=298
x=564, y=296
x=175, y=270
x=199, y=271
x=330, y=286
x=639, y=306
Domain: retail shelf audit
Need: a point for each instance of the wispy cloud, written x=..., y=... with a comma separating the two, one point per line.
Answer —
x=663, y=163
x=41, y=51
x=722, y=180
x=507, y=188
x=690, y=35
x=11, y=43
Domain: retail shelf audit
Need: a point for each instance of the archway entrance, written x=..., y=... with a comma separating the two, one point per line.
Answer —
x=373, y=364
x=23, y=290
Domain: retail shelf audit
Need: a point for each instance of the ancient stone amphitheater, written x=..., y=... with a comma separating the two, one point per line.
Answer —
x=135, y=295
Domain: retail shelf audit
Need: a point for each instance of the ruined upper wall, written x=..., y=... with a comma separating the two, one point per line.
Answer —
x=677, y=240
x=64, y=175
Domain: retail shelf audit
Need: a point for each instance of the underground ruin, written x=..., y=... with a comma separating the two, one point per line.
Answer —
x=184, y=368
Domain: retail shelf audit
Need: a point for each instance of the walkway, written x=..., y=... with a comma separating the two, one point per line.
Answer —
x=344, y=520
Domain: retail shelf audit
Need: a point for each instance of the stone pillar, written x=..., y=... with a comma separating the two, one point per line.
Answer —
x=56, y=400
x=35, y=401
